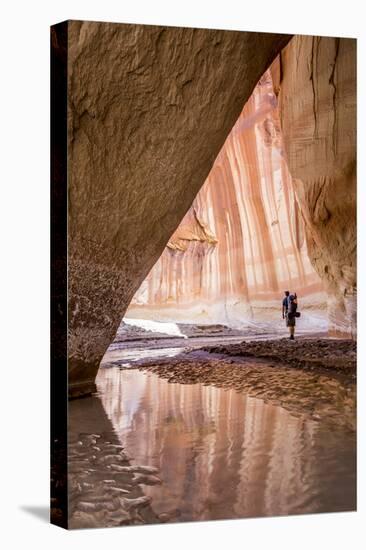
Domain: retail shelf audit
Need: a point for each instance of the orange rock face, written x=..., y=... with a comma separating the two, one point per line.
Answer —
x=242, y=243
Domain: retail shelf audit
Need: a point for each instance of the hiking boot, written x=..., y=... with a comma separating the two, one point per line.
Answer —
x=292, y=337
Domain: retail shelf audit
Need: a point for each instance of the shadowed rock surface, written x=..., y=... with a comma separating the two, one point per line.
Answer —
x=149, y=109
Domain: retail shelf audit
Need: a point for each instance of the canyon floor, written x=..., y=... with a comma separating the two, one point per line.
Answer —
x=314, y=378
x=214, y=424
x=313, y=375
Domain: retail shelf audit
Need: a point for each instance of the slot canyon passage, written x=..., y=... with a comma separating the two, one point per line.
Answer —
x=200, y=190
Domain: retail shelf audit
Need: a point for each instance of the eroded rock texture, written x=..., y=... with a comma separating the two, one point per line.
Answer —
x=242, y=242
x=149, y=110
x=316, y=81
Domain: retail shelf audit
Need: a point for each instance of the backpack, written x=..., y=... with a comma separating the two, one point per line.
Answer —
x=292, y=310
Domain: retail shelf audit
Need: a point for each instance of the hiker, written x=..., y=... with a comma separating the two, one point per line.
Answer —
x=285, y=304
x=292, y=314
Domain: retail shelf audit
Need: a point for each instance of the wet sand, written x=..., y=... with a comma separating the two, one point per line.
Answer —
x=315, y=354
x=321, y=396
x=133, y=344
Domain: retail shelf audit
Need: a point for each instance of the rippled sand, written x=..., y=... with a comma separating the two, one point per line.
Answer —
x=104, y=488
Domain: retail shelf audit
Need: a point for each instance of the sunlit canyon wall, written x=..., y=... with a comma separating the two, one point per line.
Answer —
x=315, y=80
x=242, y=243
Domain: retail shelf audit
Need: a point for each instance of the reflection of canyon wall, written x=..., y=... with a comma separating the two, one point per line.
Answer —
x=220, y=454
x=242, y=242
x=149, y=110
x=316, y=81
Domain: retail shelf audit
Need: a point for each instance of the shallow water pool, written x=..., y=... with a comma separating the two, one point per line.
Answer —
x=213, y=453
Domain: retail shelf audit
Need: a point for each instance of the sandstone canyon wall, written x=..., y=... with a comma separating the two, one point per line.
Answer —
x=149, y=108
x=315, y=78
x=242, y=243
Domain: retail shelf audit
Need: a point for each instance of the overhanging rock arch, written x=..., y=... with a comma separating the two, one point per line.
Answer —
x=148, y=111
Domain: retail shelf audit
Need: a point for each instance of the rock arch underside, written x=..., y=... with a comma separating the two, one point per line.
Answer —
x=149, y=110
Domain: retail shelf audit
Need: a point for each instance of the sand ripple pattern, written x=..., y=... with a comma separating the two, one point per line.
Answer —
x=105, y=489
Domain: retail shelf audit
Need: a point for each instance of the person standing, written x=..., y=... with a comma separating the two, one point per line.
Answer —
x=285, y=304
x=291, y=315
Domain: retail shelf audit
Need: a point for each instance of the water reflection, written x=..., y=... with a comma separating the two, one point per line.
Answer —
x=221, y=454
